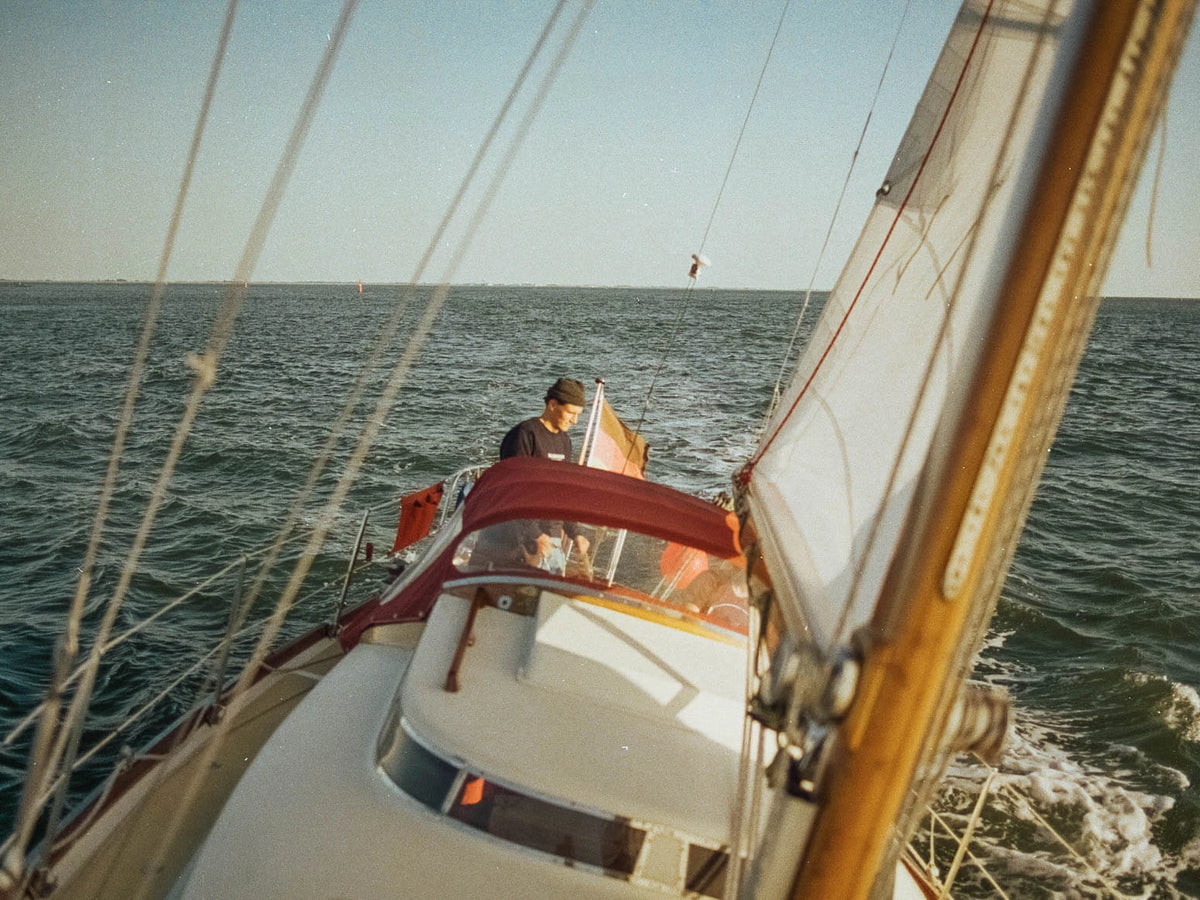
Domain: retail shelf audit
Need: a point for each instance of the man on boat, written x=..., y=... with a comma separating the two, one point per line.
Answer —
x=546, y=436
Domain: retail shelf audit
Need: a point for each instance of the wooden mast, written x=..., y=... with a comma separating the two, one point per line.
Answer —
x=912, y=674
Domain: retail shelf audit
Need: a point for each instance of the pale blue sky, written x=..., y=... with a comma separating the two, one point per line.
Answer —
x=615, y=184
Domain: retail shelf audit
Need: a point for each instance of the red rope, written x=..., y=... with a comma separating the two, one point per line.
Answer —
x=747, y=472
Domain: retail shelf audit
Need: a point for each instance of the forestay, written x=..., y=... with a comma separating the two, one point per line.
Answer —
x=881, y=382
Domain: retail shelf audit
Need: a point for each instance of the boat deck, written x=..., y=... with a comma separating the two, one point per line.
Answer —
x=122, y=854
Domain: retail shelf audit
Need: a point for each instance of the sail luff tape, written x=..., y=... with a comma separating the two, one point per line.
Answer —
x=1062, y=284
x=1000, y=444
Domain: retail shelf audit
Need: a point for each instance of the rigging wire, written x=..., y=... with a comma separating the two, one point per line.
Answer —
x=417, y=338
x=391, y=327
x=747, y=472
x=904, y=444
x=421, y=331
x=840, y=634
x=776, y=391
x=370, y=430
x=746, y=762
x=687, y=294
x=42, y=759
x=1158, y=170
x=205, y=366
x=745, y=122
x=739, y=849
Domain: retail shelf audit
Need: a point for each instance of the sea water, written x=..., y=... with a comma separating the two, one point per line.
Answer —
x=1096, y=630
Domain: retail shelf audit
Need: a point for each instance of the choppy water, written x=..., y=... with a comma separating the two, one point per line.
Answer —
x=1096, y=631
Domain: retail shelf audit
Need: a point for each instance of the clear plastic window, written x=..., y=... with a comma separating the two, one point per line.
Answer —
x=618, y=561
x=610, y=843
x=706, y=867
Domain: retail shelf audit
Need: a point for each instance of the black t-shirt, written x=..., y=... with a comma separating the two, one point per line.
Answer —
x=532, y=438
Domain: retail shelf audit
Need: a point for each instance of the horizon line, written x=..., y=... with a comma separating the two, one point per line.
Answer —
x=489, y=284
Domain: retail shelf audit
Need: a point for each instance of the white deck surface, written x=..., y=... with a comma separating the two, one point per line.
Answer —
x=314, y=817
x=614, y=712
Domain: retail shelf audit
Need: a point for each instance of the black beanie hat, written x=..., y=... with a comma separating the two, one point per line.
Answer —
x=567, y=390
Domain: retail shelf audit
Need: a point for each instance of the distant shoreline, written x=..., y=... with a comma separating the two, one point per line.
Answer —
x=489, y=285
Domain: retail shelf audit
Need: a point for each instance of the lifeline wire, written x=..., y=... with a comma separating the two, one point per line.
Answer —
x=1041, y=820
x=366, y=439
x=22, y=725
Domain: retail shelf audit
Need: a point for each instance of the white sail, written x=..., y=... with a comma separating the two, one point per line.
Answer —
x=891, y=485
x=947, y=345
x=837, y=469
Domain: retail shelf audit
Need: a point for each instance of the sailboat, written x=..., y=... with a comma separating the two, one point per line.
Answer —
x=490, y=725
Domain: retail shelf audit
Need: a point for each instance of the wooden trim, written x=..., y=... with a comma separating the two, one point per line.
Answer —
x=911, y=677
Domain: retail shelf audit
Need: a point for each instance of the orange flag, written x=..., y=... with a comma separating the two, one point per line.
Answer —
x=616, y=447
x=416, y=515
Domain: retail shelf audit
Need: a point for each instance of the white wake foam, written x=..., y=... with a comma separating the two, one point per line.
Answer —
x=1180, y=706
x=1107, y=821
